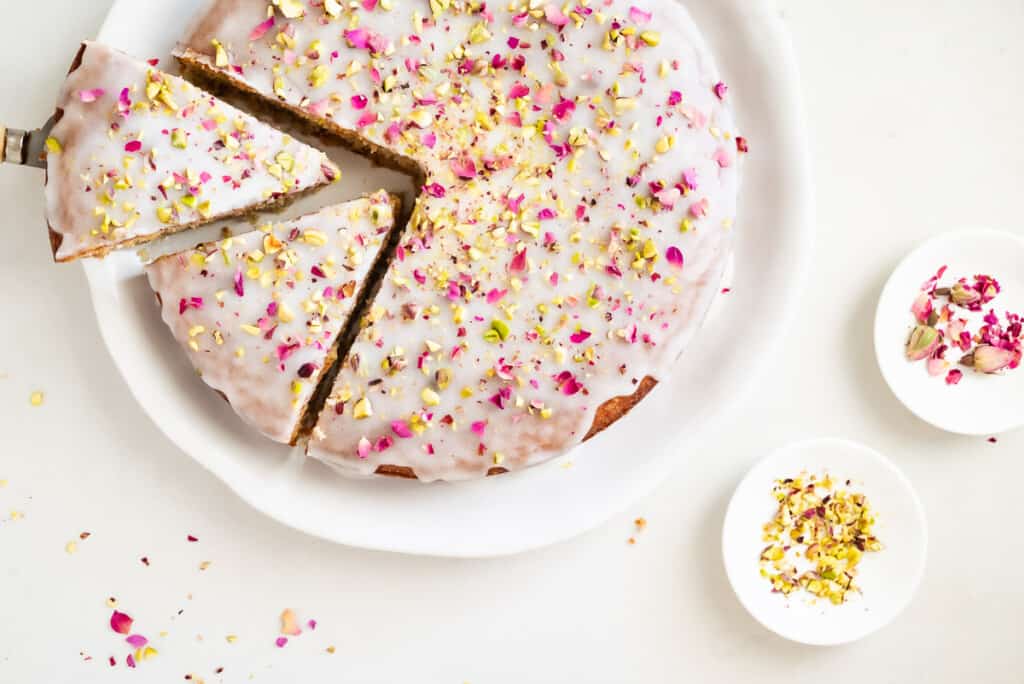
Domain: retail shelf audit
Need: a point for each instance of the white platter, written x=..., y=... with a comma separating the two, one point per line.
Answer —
x=979, y=404
x=888, y=578
x=556, y=501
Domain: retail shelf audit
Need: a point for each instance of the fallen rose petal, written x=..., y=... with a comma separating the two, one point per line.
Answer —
x=120, y=622
x=674, y=256
x=137, y=640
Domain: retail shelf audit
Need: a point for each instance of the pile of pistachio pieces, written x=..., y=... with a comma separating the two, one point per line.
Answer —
x=830, y=528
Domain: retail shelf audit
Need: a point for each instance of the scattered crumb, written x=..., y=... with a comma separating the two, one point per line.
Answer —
x=204, y=565
x=71, y=547
x=192, y=539
x=992, y=440
x=231, y=638
x=330, y=649
x=36, y=398
x=289, y=623
x=641, y=525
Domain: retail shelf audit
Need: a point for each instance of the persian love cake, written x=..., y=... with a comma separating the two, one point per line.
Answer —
x=580, y=165
x=259, y=314
x=137, y=154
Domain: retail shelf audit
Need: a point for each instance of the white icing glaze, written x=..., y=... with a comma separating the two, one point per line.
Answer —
x=138, y=152
x=258, y=313
x=570, y=150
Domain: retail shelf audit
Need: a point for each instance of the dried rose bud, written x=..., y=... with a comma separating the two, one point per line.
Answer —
x=988, y=359
x=964, y=295
x=923, y=341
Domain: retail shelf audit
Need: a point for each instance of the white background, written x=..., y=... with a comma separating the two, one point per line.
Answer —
x=915, y=110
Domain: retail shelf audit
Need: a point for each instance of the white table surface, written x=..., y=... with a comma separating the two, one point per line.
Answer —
x=915, y=110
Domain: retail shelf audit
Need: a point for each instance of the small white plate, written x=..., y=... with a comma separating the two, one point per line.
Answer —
x=980, y=404
x=888, y=578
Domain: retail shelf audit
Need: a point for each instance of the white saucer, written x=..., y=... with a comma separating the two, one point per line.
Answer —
x=888, y=578
x=980, y=404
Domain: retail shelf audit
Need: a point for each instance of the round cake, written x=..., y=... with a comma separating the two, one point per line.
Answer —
x=579, y=167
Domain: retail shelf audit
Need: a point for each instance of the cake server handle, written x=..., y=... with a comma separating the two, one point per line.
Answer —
x=25, y=148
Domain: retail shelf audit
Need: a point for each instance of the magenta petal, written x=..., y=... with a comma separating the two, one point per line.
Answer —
x=120, y=622
x=579, y=337
x=137, y=640
x=518, y=262
x=401, y=428
x=674, y=256
x=261, y=29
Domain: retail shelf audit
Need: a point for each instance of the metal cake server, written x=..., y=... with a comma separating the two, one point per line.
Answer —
x=27, y=148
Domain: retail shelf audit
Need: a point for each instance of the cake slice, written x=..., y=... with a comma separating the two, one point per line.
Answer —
x=259, y=314
x=137, y=153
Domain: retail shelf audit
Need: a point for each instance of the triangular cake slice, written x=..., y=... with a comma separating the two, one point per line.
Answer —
x=137, y=153
x=259, y=314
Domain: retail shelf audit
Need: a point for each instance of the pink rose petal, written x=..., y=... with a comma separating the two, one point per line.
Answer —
x=554, y=15
x=88, y=96
x=261, y=29
x=120, y=622
x=638, y=16
x=674, y=256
